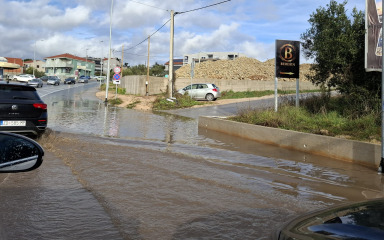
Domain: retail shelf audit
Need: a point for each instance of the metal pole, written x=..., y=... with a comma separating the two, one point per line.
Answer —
x=297, y=92
x=276, y=96
x=86, y=62
x=109, y=55
x=34, y=60
x=101, y=62
x=382, y=102
x=146, y=84
x=170, y=84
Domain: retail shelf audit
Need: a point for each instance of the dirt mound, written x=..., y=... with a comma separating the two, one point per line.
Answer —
x=242, y=68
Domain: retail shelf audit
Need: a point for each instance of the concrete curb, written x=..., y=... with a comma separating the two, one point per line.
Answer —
x=367, y=154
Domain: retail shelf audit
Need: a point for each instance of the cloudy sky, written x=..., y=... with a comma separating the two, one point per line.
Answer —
x=81, y=27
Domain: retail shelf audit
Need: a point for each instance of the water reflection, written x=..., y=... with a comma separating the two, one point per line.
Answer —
x=91, y=116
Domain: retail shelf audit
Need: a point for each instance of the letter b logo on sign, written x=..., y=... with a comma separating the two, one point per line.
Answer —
x=288, y=53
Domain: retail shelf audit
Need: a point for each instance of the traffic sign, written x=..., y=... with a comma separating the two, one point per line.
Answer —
x=116, y=76
x=117, y=70
x=116, y=81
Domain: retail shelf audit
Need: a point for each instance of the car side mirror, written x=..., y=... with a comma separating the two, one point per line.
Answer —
x=19, y=153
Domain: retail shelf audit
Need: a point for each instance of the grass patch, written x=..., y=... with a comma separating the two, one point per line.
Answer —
x=132, y=105
x=112, y=87
x=250, y=94
x=115, y=101
x=182, y=101
x=321, y=115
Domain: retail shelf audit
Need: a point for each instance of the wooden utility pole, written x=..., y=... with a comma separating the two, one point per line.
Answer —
x=146, y=84
x=170, y=80
x=122, y=61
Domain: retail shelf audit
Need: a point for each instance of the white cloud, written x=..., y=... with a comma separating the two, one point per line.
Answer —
x=71, y=26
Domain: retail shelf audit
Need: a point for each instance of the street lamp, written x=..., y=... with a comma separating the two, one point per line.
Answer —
x=86, y=61
x=101, y=62
x=34, y=59
x=109, y=54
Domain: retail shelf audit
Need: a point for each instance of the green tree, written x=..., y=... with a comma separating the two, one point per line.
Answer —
x=157, y=70
x=37, y=73
x=336, y=44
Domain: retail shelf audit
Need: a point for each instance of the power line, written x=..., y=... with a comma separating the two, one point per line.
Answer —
x=202, y=7
x=168, y=20
x=148, y=5
x=147, y=37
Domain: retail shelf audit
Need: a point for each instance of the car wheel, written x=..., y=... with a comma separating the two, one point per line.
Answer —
x=209, y=97
x=15, y=79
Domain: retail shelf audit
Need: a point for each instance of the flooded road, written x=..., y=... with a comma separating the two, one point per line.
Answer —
x=114, y=173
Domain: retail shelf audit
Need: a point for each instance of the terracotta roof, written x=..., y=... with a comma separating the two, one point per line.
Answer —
x=70, y=56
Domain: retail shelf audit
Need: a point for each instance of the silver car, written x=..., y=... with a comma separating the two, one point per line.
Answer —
x=36, y=82
x=53, y=80
x=201, y=91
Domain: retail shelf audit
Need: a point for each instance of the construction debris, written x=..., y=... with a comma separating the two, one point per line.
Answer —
x=242, y=68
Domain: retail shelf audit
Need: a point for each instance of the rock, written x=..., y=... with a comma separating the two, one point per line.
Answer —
x=238, y=69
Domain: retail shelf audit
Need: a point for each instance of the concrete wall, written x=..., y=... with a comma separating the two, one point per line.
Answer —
x=353, y=151
x=136, y=85
x=157, y=85
x=246, y=85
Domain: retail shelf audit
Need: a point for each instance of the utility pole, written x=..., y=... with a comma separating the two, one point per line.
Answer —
x=146, y=84
x=170, y=80
x=122, y=60
x=101, y=62
x=109, y=55
x=86, y=62
x=34, y=59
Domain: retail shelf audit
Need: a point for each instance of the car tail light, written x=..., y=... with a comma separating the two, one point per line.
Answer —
x=214, y=89
x=40, y=105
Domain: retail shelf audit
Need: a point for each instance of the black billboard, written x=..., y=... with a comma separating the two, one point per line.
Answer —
x=287, y=59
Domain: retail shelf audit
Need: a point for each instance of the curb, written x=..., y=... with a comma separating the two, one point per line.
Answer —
x=363, y=153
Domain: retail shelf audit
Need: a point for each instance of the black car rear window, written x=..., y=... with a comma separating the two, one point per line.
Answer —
x=18, y=92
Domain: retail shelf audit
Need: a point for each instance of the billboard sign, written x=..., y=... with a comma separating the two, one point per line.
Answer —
x=373, y=35
x=287, y=59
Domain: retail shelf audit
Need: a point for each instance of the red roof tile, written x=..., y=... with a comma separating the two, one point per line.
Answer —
x=70, y=56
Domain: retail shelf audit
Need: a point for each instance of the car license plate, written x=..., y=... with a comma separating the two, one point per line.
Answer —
x=12, y=123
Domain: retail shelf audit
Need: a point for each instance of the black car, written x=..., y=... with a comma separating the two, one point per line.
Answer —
x=362, y=220
x=70, y=80
x=22, y=110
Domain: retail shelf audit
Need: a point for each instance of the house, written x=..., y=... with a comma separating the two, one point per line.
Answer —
x=68, y=65
x=211, y=56
x=11, y=66
x=177, y=63
x=37, y=64
x=115, y=62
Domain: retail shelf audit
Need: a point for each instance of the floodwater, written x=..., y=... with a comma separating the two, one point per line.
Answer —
x=114, y=173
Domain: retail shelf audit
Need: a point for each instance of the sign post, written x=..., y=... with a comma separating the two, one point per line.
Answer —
x=287, y=64
x=116, y=78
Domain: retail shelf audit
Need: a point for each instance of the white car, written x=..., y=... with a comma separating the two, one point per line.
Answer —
x=23, y=77
x=201, y=91
x=100, y=78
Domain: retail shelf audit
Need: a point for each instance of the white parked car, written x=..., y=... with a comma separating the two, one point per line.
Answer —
x=23, y=77
x=100, y=78
x=201, y=91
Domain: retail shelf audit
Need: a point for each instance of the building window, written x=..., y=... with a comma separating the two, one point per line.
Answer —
x=210, y=56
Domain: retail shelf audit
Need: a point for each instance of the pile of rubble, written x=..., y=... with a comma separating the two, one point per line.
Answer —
x=242, y=68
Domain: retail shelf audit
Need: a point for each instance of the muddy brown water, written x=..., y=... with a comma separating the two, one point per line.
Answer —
x=122, y=174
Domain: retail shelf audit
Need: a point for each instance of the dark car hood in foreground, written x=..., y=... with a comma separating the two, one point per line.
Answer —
x=363, y=220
